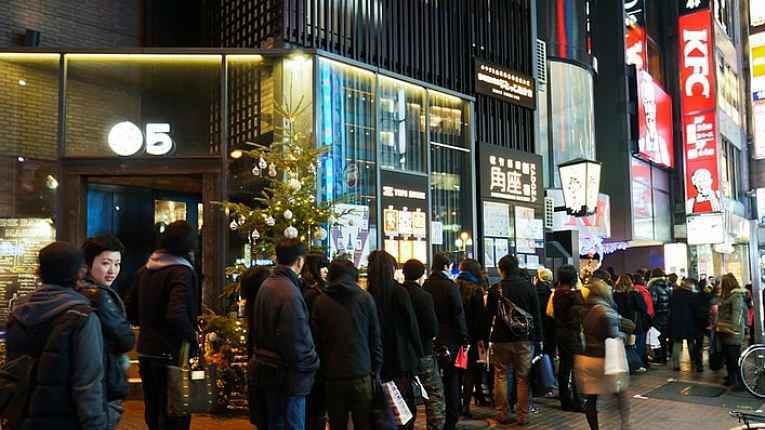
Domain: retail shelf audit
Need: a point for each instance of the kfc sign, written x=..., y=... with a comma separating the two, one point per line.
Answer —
x=697, y=78
x=655, y=121
x=702, y=176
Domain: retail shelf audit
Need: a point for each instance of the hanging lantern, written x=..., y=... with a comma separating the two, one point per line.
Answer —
x=580, y=180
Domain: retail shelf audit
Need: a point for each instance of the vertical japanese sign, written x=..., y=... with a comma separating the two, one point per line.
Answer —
x=697, y=89
x=511, y=175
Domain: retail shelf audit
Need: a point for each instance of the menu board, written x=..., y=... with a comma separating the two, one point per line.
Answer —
x=405, y=219
x=20, y=241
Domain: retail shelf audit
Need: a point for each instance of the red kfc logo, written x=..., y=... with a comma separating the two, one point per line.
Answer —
x=696, y=62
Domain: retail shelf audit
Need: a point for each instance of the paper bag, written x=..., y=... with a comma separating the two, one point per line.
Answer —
x=616, y=357
x=398, y=407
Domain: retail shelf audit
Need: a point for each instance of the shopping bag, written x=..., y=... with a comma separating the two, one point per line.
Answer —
x=461, y=361
x=543, y=375
x=396, y=403
x=188, y=391
x=652, y=338
x=379, y=413
x=616, y=357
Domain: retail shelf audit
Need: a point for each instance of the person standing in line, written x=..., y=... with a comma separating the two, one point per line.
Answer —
x=703, y=323
x=249, y=284
x=600, y=322
x=683, y=321
x=630, y=305
x=638, y=283
x=313, y=279
x=452, y=329
x=470, y=282
x=103, y=259
x=543, y=283
x=427, y=322
x=285, y=355
x=164, y=302
x=58, y=327
x=731, y=326
x=347, y=331
x=568, y=301
x=402, y=347
x=511, y=349
x=661, y=294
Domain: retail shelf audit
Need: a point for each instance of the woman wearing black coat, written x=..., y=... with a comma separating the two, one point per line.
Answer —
x=685, y=308
x=630, y=305
x=471, y=281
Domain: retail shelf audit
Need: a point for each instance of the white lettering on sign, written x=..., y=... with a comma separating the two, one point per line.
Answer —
x=512, y=179
x=125, y=139
x=696, y=52
x=389, y=191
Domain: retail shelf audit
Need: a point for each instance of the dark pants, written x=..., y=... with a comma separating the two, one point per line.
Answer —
x=591, y=410
x=285, y=412
x=352, y=396
x=640, y=346
x=697, y=355
x=731, y=353
x=665, y=349
x=472, y=380
x=569, y=397
x=451, y=396
x=316, y=407
x=154, y=380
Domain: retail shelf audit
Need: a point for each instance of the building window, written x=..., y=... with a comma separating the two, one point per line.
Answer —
x=728, y=95
x=731, y=164
x=725, y=17
x=651, y=208
x=402, y=126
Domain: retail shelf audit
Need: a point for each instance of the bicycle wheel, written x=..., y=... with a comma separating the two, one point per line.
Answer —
x=752, y=363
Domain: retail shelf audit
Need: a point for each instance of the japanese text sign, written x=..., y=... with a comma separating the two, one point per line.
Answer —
x=511, y=175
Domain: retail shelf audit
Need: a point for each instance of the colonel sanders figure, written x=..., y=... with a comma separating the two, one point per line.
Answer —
x=707, y=198
x=652, y=143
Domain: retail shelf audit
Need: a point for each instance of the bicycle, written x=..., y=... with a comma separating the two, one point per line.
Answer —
x=750, y=420
x=751, y=365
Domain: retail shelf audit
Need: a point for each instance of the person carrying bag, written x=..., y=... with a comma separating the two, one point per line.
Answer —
x=188, y=391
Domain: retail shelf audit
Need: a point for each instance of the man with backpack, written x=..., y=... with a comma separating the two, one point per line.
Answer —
x=513, y=306
x=55, y=329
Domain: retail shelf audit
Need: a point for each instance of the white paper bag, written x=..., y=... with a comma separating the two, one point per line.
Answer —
x=652, y=338
x=616, y=357
x=398, y=407
x=423, y=391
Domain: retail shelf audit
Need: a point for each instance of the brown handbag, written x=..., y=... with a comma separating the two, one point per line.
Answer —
x=188, y=391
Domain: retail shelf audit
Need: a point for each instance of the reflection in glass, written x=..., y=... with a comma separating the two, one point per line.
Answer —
x=450, y=197
x=345, y=112
x=402, y=126
x=448, y=120
x=169, y=211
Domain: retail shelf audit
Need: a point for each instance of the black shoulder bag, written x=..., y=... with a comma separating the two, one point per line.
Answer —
x=517, y=320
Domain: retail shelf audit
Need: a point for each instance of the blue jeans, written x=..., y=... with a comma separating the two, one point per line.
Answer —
x=285, y=413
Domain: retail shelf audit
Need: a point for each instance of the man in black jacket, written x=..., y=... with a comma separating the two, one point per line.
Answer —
x=427, y=320
x=284, y=347
x=661, y=293
x=452, y=329
x=347, y=332
x=164, y=302
x=512, y=350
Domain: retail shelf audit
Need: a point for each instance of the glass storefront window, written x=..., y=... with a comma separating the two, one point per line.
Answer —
x=450, y=199
x=165, y=105
x=572, y=114
x=402, y=126
x=345, y=114
x=449, y=120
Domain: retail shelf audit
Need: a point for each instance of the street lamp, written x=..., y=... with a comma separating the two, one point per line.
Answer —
x=580, y=179
x=463, y=241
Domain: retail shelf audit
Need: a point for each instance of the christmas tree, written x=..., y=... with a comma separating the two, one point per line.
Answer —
x=287, y=206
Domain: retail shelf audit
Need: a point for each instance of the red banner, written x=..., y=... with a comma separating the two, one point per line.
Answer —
x=655, y=121
x=697, y=70
x=702, y=181
x=636, y=47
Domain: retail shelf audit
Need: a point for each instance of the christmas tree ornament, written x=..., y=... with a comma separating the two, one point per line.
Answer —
x=312, y=199
x=290, y=232
x=272, y=170
x=262, y=163
x=256, y=171
x=288, y=214
x=234, y=225
x=312, y=169
x=295, y=184
x=270, y=221
x=320, y=233
x=242, y=220
x=255, y=235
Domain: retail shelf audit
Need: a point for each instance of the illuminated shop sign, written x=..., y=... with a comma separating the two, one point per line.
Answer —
x=706, y=229
x=405, y=220
x=511, y=175
x=655, y=121
x=126, y=139
x=757, y=46
x=505, y=84
x=756, y=13
x=691, y=6
x=697, y=84
x=636, y=47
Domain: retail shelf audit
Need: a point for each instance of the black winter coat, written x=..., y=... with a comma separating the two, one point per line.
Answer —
x=568, y=308
x=282, y=326
x=402, y=347
x=661, y=293
x=631, y=305
x=517, y=287
x=164, y=303
x=475, y=314
x=452, y=327
x=347, y=332
x=683, y=316
x=118, y=335
x=427, y=321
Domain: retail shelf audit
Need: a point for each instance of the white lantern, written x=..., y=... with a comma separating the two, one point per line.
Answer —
x=580, y=180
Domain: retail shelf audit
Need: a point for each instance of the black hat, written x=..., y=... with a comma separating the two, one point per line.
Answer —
x=60, y=264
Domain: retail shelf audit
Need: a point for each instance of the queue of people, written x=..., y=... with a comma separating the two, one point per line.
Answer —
x=325, y=350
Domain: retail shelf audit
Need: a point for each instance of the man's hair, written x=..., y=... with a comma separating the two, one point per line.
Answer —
x=657, y=273
x=94, y=246
x=288, y=251
x=60, y=264
x=508, y=264
x=568, y=275
x=413, y=270
x=342, y=267
x=179, y=239
x=441, y=261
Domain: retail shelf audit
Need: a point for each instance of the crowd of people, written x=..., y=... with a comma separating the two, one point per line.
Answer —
x=325, y=346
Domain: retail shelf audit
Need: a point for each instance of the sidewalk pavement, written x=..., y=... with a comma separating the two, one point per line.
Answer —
x=649, y=414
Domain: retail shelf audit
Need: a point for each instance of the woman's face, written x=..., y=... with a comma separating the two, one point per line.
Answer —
x=323, y=272
x=106, y=267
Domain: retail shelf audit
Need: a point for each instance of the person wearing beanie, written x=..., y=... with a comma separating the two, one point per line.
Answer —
x=428, y=371
x=69, y=390
x=164, y=302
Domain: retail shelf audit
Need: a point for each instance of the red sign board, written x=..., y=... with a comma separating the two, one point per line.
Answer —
x=697, y=70
x=655, y=121
x=701, y=174
x=636, y=47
